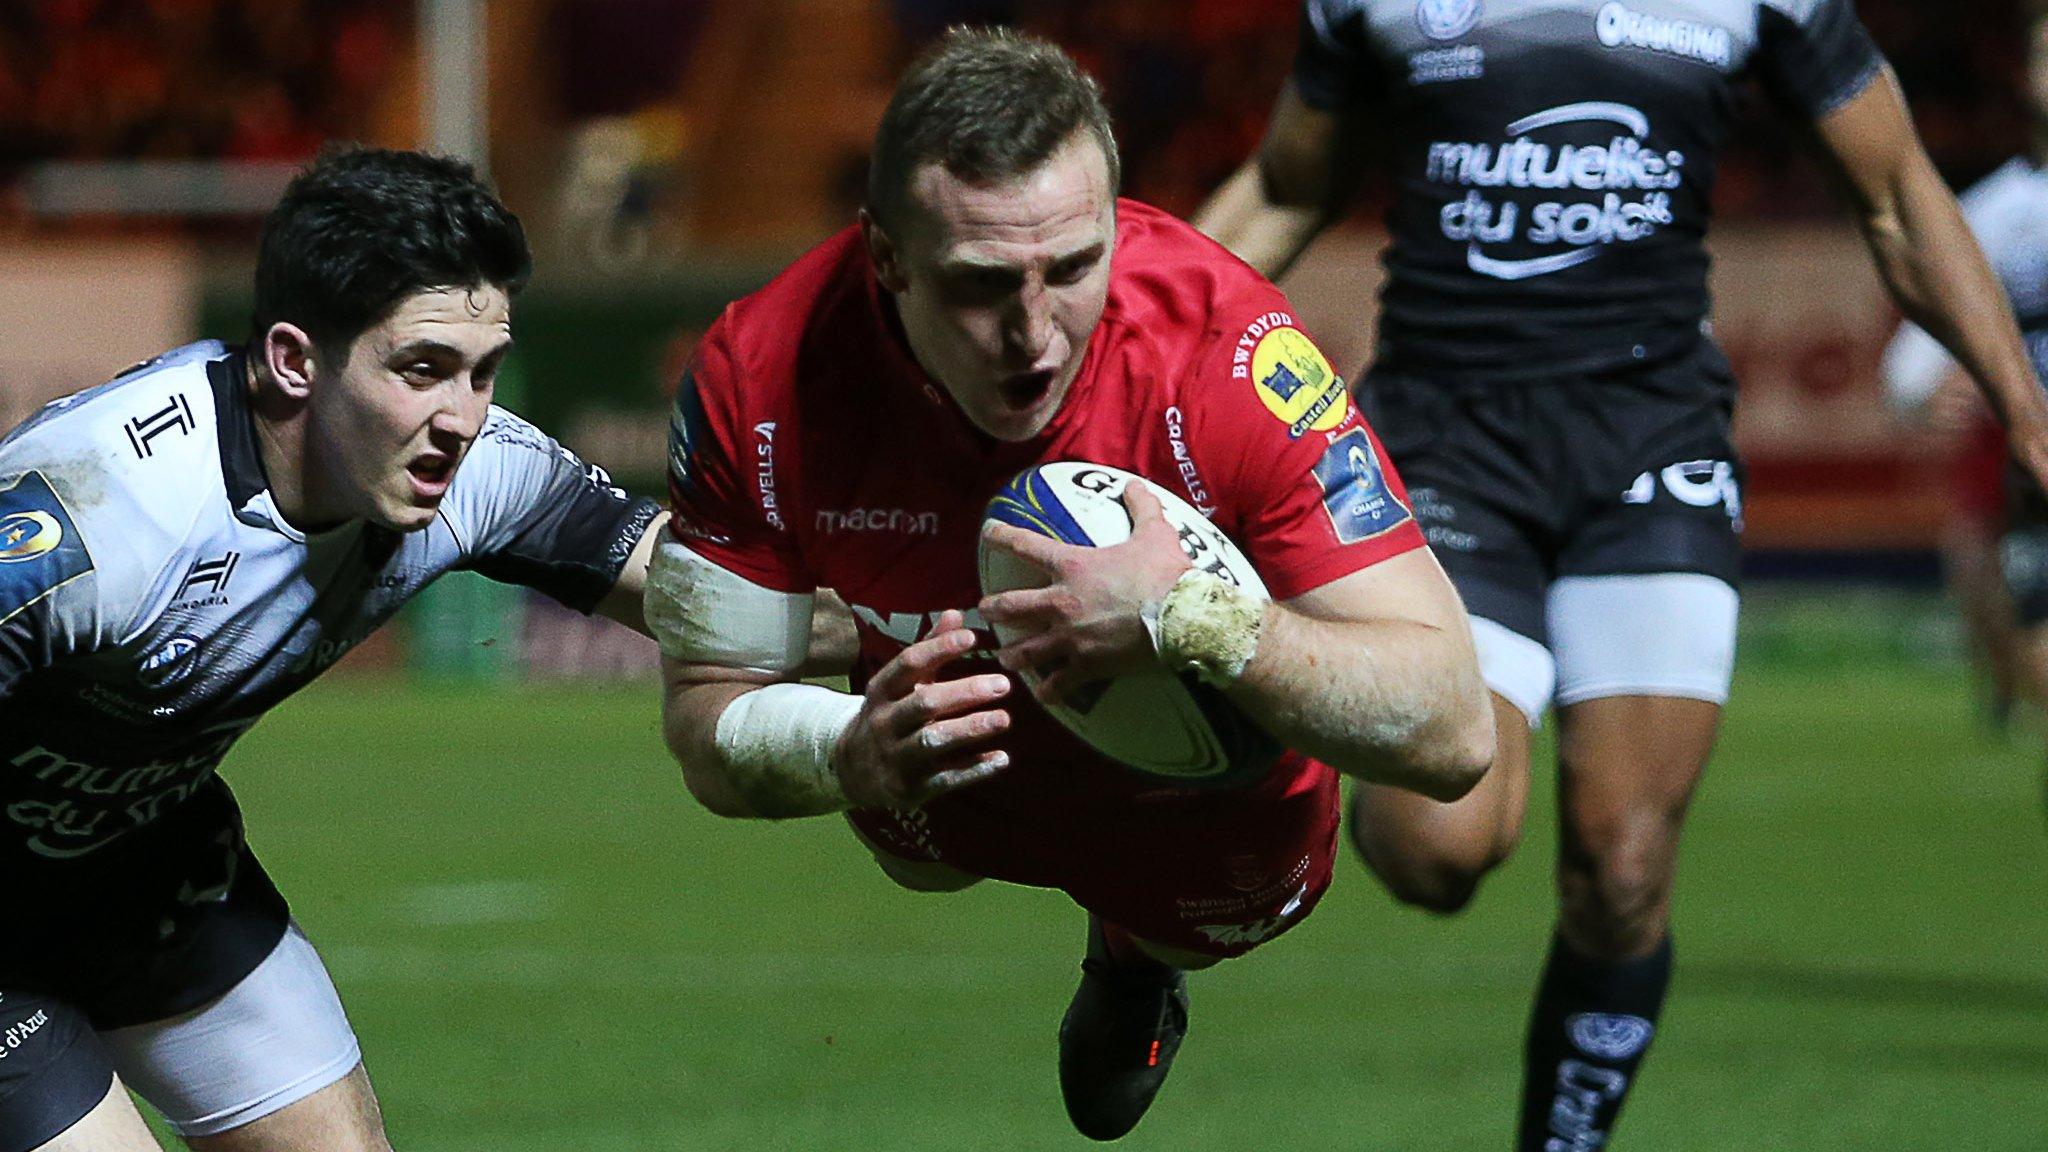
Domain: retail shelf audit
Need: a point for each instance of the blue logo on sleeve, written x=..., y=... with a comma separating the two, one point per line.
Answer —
x=1355, y=492
x=40, y=549
x=688, y=431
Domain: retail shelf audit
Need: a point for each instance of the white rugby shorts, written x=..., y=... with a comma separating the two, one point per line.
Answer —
x=1654, y=634
x=270, y=1041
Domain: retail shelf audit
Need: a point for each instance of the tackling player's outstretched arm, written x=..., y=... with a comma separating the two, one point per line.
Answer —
x=623, y=602
x=1931, y=261
x=1372, y=673
x=833, y=642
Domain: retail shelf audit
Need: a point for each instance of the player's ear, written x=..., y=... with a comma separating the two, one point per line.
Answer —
x=289, y=359
x=882, y=253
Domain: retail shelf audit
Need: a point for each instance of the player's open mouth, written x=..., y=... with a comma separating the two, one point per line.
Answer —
x=1026, y=389
x=430, y=475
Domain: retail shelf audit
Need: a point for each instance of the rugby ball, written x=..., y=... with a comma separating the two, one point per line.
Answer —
x=1162, y=724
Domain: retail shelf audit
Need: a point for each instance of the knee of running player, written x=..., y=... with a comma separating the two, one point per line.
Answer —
x=1432, y=856
x=1614, y=882
x=1437, y=876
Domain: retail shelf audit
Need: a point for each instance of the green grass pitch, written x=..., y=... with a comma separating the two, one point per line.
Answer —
x=545, y=945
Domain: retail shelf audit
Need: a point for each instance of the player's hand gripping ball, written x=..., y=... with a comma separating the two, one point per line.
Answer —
x=1160, y=723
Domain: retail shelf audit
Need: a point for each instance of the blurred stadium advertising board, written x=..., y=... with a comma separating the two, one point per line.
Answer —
x=74, y=314
x=144, y=188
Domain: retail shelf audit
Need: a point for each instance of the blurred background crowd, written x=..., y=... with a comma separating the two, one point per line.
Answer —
x=1190, y=81
x=668, y=155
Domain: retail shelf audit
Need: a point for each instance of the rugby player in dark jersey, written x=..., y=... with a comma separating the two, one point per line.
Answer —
x=1996, y=545
x=1548, y=385
x=182, y=548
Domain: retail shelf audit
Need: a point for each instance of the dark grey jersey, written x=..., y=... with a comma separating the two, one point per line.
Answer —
x=1554, y=161
x=154, y=603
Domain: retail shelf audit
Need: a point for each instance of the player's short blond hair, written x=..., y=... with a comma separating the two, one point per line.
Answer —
x=988, y=104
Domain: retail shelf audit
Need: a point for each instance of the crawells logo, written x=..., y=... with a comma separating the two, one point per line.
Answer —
x=1446, y=19
x=1295, y=382
x=27, y=535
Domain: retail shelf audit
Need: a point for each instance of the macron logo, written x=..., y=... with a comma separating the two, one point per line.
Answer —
x=878, y=520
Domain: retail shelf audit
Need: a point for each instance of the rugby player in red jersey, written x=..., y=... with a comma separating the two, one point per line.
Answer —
x=998, y=307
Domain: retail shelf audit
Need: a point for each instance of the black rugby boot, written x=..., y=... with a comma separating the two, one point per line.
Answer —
x=1118, y=1039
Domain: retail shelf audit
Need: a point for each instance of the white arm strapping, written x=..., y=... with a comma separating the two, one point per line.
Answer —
x=703, y=614
x=777, y=745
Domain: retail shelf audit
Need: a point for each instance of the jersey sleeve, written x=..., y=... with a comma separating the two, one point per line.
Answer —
x=717, y=451
x=1815, y=54
x=1336, y=64
x=49, y=602
x=1303, y=485
x=526, y=510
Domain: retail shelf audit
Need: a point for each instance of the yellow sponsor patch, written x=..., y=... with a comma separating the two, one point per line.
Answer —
x=1296, y=384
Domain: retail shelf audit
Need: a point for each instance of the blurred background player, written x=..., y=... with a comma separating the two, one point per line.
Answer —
x=184, y=547
x=1546, y=379
x=1996, y=544
x=845, y=427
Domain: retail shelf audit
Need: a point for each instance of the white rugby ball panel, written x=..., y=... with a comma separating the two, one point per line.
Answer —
x=1155, y=722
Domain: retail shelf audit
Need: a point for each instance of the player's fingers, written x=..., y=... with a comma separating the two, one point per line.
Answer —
x=946, y=739
x=1032, y=652
x=1047, y=554
x=925, y=703
x=953, y=779
x=1026, y=606
x=1142, y=505
x=917, y=663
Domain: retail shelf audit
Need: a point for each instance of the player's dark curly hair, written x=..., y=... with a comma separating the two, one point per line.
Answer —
x=988, y=104
x=361, y=229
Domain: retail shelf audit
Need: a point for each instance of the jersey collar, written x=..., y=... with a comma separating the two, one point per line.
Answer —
x=241, y=463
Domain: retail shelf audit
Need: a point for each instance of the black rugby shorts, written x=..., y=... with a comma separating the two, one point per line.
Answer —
x=1619, y=473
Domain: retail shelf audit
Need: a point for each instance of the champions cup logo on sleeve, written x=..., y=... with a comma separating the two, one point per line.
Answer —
x=1293, y=380
x=1633, y=180
x=40, y=550
x=1355, y=492
x=27, y=535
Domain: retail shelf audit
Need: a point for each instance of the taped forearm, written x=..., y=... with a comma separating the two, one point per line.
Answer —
x=775, y=748
x=702, y=613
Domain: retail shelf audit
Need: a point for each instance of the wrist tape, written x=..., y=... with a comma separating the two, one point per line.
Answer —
x=1206, y=625
x=778, y=741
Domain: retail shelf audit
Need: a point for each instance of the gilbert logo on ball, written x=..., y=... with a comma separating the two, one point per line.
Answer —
x=1159, y=723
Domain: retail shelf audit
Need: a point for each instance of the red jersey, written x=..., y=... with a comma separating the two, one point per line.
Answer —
x=810, y=450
